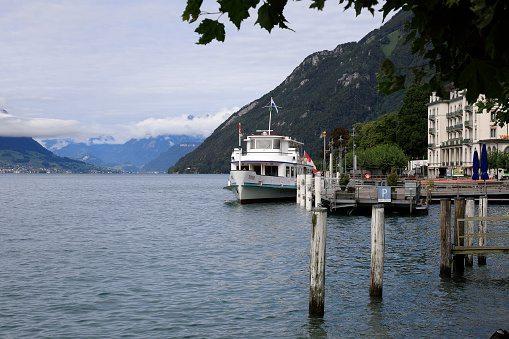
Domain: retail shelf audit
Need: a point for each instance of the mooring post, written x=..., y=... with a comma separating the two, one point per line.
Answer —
x=482, y=228
x=317, y=261
x=459, y=232
x=298, y=188
x=445, y=238
x=318, y=190
x=309, y=192
x=377, y=251
x=470, y=212
x=302, y=202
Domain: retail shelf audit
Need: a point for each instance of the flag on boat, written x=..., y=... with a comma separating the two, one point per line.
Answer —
x=240, y=131
x=273, y=105
x=308, y=158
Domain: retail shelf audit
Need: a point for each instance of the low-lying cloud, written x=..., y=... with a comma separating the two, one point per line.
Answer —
x=41, y=128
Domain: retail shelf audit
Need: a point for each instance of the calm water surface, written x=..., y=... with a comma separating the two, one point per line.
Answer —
x=108, y=256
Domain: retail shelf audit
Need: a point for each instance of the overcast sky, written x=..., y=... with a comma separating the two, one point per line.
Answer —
x=131, y=68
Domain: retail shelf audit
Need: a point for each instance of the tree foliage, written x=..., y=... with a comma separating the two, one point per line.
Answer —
x=497, y=159
x=377, y=132
x=384, y=156
x=462, y=42
x=412, y=122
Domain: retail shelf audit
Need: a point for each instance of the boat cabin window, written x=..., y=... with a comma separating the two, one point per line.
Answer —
x=271, y=170
x=263, y=144
x=257, y=169
x=276, y=144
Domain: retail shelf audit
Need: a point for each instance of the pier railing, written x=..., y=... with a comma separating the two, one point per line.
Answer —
x=468, y=238
x=451, y=189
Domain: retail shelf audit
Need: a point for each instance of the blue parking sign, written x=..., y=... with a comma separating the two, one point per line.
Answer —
x=384, y=194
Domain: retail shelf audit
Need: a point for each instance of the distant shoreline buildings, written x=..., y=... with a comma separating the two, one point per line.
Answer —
x=456, y=130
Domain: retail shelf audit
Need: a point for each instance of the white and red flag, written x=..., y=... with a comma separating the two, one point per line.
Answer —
x=308, y=158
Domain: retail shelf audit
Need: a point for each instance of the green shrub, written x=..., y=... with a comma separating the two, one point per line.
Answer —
x=392, y=179
x=343, y=181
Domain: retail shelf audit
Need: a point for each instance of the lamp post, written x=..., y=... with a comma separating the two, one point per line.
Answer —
x=323, y=165
x=340, y=156
x=354, y=159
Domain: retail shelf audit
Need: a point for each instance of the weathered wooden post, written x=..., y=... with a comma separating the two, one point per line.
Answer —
x=318, y=190
x=317, y=261
x=482, y=228
x=298, y=188
x=377, y=251
x=309, y=192
x=302, y=190
x=445, y=238
x=459, y=232
x=470, y=212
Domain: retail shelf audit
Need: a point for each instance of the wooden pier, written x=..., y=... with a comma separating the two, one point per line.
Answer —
x=496, y=191
x=361, y=196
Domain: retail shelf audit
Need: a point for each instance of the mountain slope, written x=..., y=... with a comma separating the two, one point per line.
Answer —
x=135, y=152
x=328, y=89
x=168, y=158
x=27, y=155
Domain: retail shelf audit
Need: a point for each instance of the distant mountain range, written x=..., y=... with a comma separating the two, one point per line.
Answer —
x=25, y=155
x=329, y=89
x=149, y=154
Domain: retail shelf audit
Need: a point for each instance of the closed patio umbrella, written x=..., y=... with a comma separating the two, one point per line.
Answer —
x=475, y=166
x=484, y=163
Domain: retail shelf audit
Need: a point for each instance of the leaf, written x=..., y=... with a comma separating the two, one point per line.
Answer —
x=210, y=30
x=318, y=4
x=192, y=11
x=238, y=10
x=270, y=14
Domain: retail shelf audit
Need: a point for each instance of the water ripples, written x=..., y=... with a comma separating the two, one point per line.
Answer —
x=176, y=256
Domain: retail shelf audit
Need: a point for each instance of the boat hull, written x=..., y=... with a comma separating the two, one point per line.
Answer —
x=251, y=188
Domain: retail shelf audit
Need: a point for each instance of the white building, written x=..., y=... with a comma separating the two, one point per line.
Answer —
x=455, y=131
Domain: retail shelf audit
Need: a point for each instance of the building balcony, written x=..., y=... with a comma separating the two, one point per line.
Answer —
x=431, y=145
x=468, y=108
x=431, y=117
x=467, y=141
x=468, y=124
x=432, y=131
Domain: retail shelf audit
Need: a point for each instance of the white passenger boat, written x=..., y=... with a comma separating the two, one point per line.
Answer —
x=267, y=170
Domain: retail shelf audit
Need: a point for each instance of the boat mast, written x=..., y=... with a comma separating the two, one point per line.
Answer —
x=240, y=147
x=271, y=105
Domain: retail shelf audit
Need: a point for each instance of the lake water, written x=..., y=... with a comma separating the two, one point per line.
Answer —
x=175, y=256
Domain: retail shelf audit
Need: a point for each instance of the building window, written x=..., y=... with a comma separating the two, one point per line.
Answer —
x=493, y=132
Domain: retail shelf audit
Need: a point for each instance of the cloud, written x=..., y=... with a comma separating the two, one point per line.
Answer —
x=41, y=128
x=184, y=124
x=13, y=126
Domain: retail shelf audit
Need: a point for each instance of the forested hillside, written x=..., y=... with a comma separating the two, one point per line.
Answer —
x=329, y=89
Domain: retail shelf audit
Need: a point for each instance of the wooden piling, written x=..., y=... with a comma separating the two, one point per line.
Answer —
x=470, y=212
x=318, y=190
x=377, y=251
x=298, y=188
x=309, y=192
x=445, y=238
x=482, y=228
x=317, y=262
x=302, y=181
x=459, y=232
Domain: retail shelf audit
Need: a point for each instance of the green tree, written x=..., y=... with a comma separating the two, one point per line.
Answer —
x=412, y=127
x=463, y=42
x=497, y=159
x=383, y=156
x=373, y=133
